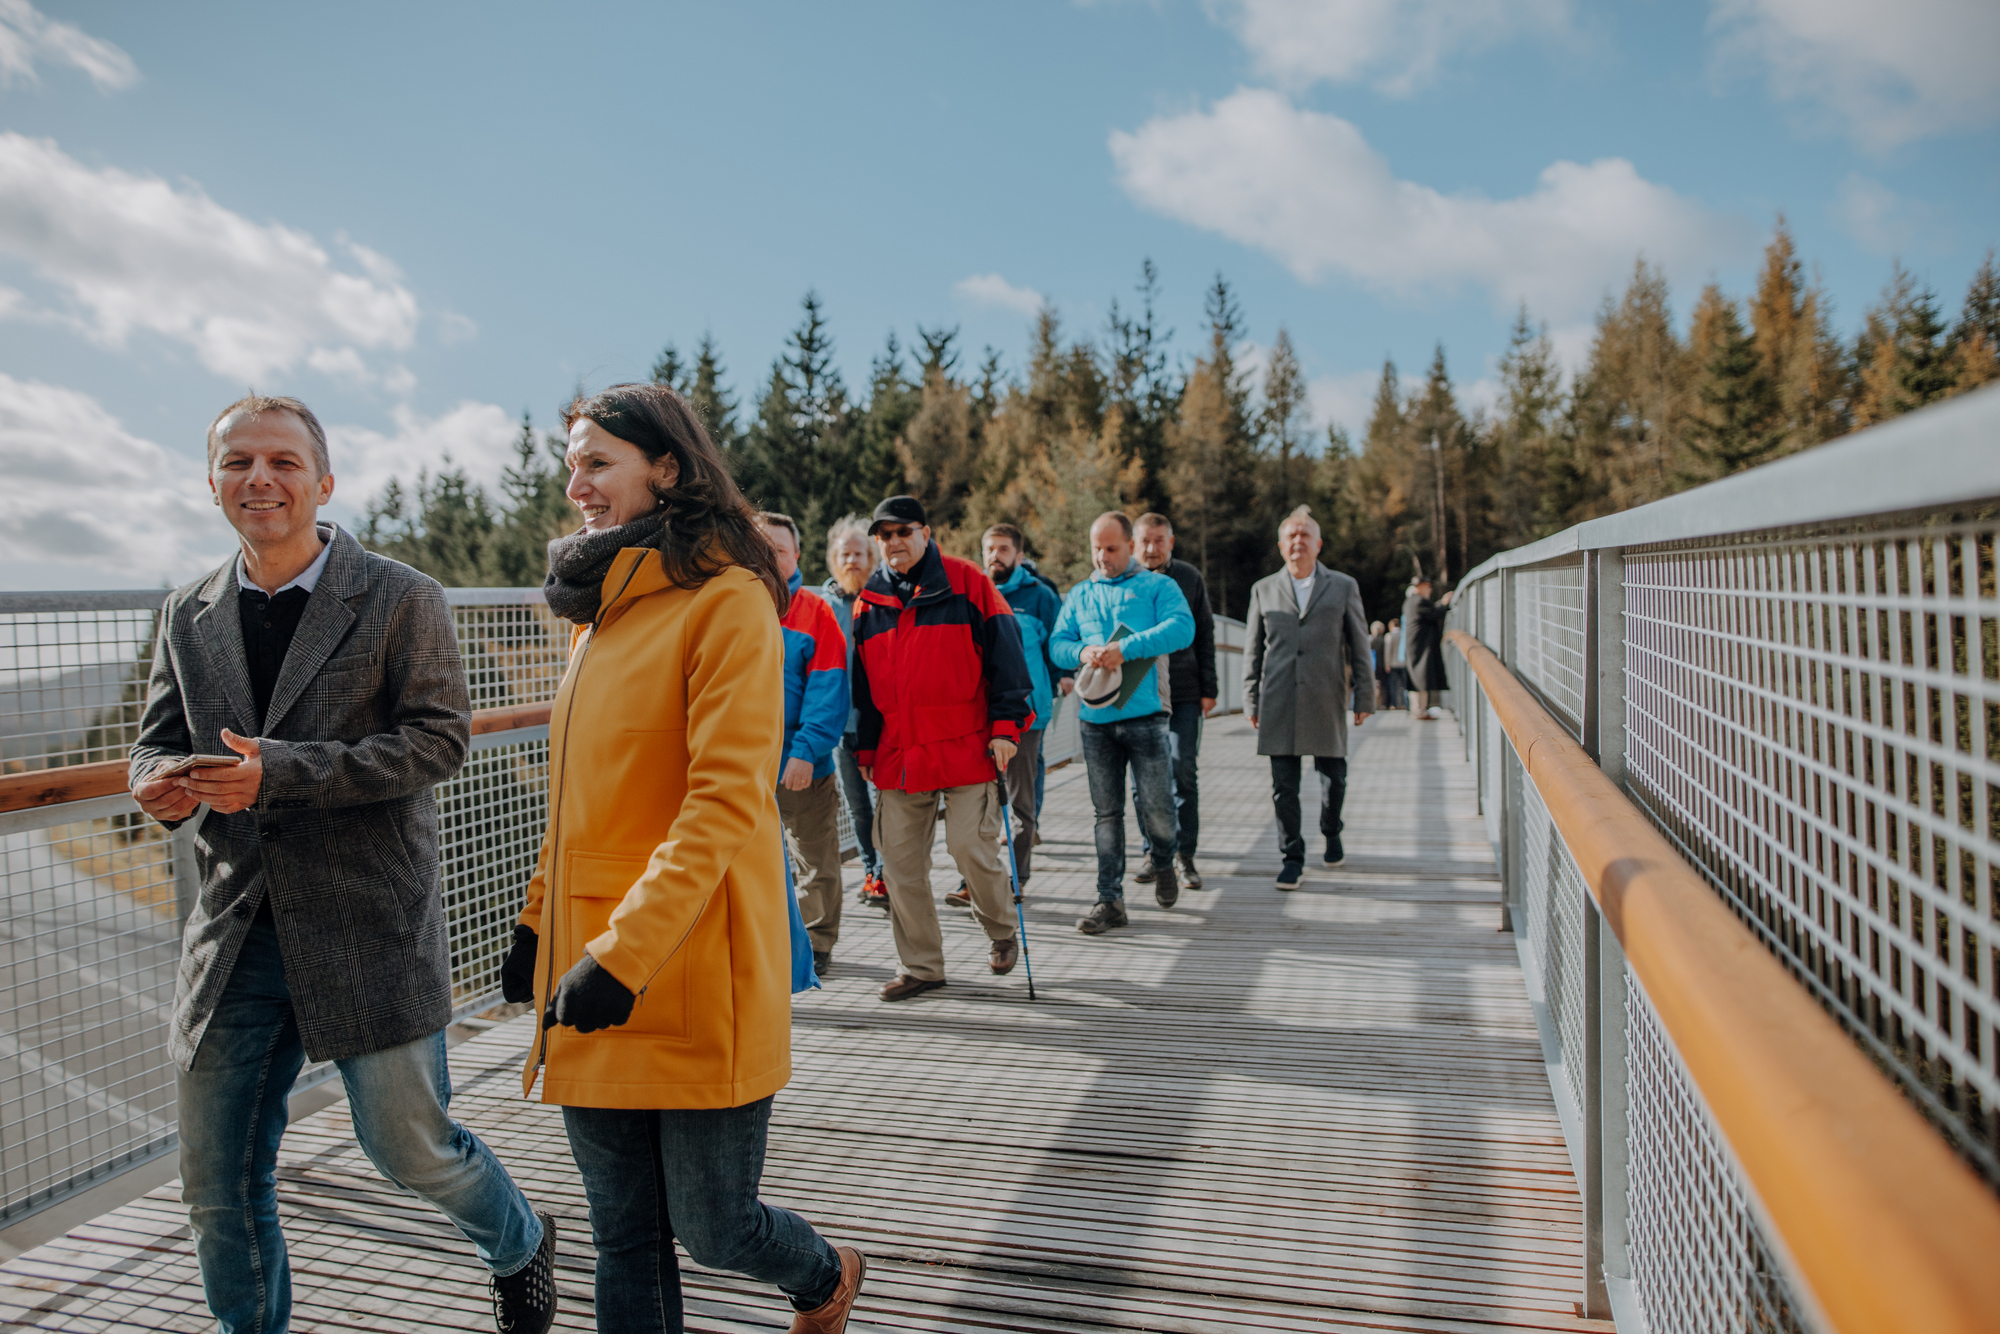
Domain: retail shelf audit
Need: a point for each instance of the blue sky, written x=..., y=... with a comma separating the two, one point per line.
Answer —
x=425, y=218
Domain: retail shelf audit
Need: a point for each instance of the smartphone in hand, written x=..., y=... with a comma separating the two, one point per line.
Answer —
x=188, y=763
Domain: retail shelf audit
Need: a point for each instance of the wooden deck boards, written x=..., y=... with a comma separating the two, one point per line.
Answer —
x=1258, y=1112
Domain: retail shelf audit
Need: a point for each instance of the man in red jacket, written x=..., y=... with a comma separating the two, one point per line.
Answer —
x=942, y=687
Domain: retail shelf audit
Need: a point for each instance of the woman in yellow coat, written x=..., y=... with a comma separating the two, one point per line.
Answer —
x=656, y=940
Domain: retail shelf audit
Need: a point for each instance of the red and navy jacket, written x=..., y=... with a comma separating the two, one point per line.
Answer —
x=815, y=681
x=936, y=677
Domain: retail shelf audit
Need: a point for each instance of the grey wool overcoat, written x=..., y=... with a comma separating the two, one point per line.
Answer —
x=369, y=713
x=1302, y=676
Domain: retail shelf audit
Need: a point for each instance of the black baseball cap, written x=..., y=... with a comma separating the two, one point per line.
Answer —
x=898, y=509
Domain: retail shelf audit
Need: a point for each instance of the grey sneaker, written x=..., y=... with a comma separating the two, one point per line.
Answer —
x=1166, y=889
x=1103, y=917
x=1190, y=878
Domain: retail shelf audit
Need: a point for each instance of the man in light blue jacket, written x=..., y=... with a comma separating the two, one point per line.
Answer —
x=1124, y=621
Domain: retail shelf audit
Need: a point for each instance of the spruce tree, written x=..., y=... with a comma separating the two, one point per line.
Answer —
x=1903, y=358
x=1522, y=437
x=1740, y=421
x=1975, y=355
x=705, y=394
x=1283, y=422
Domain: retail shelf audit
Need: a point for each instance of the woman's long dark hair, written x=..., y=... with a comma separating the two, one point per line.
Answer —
x=710, y=526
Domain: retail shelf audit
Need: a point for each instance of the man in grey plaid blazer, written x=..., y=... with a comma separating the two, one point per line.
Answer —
x=333, y=674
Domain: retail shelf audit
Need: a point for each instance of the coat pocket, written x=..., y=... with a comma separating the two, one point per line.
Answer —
x=595, y=883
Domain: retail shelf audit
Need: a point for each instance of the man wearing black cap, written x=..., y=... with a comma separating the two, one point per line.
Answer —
x=942, y=687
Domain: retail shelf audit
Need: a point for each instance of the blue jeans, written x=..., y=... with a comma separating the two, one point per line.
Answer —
x=1184, y=746
x=654, y=1177
x=860, y=808
x=1107, y=749
x=232, y=1115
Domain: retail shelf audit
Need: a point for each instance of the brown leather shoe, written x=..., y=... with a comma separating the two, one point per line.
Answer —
x=831, y=1316
x=1006, y=953
x=960, y=897
x=906, y=986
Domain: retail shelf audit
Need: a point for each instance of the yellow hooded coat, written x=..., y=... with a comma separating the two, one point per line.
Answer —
x=663, y=856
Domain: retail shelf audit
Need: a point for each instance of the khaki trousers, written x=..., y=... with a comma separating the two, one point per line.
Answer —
x=812, y=818
x=905, y=827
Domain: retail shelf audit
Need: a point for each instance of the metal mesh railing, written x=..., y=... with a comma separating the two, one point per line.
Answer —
x=1701, y=1262
x=90, y=938
x=73, y=671
x=1816, y=719
x=1553, y=897
x=1548, y=636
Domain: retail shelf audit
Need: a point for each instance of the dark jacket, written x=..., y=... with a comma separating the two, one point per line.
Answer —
x=370, y=713
x=938, y=677
x=1302, y=676
x=1423, y=622
x=1191, y=671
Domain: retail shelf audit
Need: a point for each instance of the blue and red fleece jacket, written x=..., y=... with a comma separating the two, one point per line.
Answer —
x=938, y=673
x=815, y=681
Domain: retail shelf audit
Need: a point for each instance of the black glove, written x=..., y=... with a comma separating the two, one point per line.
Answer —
x=517, y=970
x=589, y=998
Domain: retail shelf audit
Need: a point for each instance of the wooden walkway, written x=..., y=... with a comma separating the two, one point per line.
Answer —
x=1258, y=1112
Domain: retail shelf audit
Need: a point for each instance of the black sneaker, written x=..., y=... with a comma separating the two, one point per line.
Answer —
x=1166, y=889
x=1335, y=854
x=1288, y=875
x=1103, y=917
x=1190, y=878
x=1144, y=875
x=524, y=1302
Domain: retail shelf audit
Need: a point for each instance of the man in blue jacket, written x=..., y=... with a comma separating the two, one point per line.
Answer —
x=1036, y=608
x=1124, y=621
x=815, y=711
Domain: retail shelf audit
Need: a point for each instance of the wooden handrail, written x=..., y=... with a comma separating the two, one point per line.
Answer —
x=1883, y=1223
x=83, y=782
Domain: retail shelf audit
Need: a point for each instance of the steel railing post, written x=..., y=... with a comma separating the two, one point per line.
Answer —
x=1502, y=643
x=1609, y=1093
x=1596, y=1303
x=1605, y=730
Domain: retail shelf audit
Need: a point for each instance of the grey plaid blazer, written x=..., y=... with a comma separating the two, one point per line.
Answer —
x=370, y=711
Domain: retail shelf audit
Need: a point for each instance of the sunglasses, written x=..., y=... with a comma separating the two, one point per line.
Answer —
x=889, y=530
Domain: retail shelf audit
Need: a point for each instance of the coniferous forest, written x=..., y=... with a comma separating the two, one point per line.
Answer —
x=1119, y=418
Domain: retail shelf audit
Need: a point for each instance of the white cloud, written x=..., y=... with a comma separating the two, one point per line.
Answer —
x=84, y=491
x=1878, y=217
x=29, y=37
x=1399, y=44
x=477, y=437
x=1306, y=188
x=1345, y=401
x=132, y=253
x=1885, y=73
x=990, y=289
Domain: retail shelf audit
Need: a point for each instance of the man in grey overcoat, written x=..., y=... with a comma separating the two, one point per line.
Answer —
x=332, y=677
x=1307, y=667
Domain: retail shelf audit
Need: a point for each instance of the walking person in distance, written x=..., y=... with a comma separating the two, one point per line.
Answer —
x=1192, y=688
x=318, y=931
x=656, y=939
x=1121, y=624
x=944, y=691
x=850, y=559
x=1035, y=607
x=1306, y=668
x=1424, y=620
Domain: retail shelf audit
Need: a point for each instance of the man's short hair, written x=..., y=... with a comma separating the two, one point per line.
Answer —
x=1303, y=516
x=254, y=404
x=1119, y=517
x=1008, y=531
x=846, y=526
x=773, y=519
x=1152, y=519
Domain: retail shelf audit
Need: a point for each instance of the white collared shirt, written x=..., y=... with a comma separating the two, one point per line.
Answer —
x=308, y=578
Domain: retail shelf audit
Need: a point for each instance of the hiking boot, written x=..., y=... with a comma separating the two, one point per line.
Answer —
x=1288, y=875
x=906, y=986
x=1144, y=875
x=1166, y=889
x=524, y=1302
x=960, y=897
x=1005, y=954
x=1335, y=854
x=830, y=1317
x=822, y=960
x=1190, y=878
x=1107, y=914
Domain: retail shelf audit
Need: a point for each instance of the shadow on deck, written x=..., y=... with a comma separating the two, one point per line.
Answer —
x=1258, y=1112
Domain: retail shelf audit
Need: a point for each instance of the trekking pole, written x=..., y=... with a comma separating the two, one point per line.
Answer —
x=1014, y=874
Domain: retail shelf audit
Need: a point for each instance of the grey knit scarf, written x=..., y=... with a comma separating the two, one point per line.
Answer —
x=579, y=561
